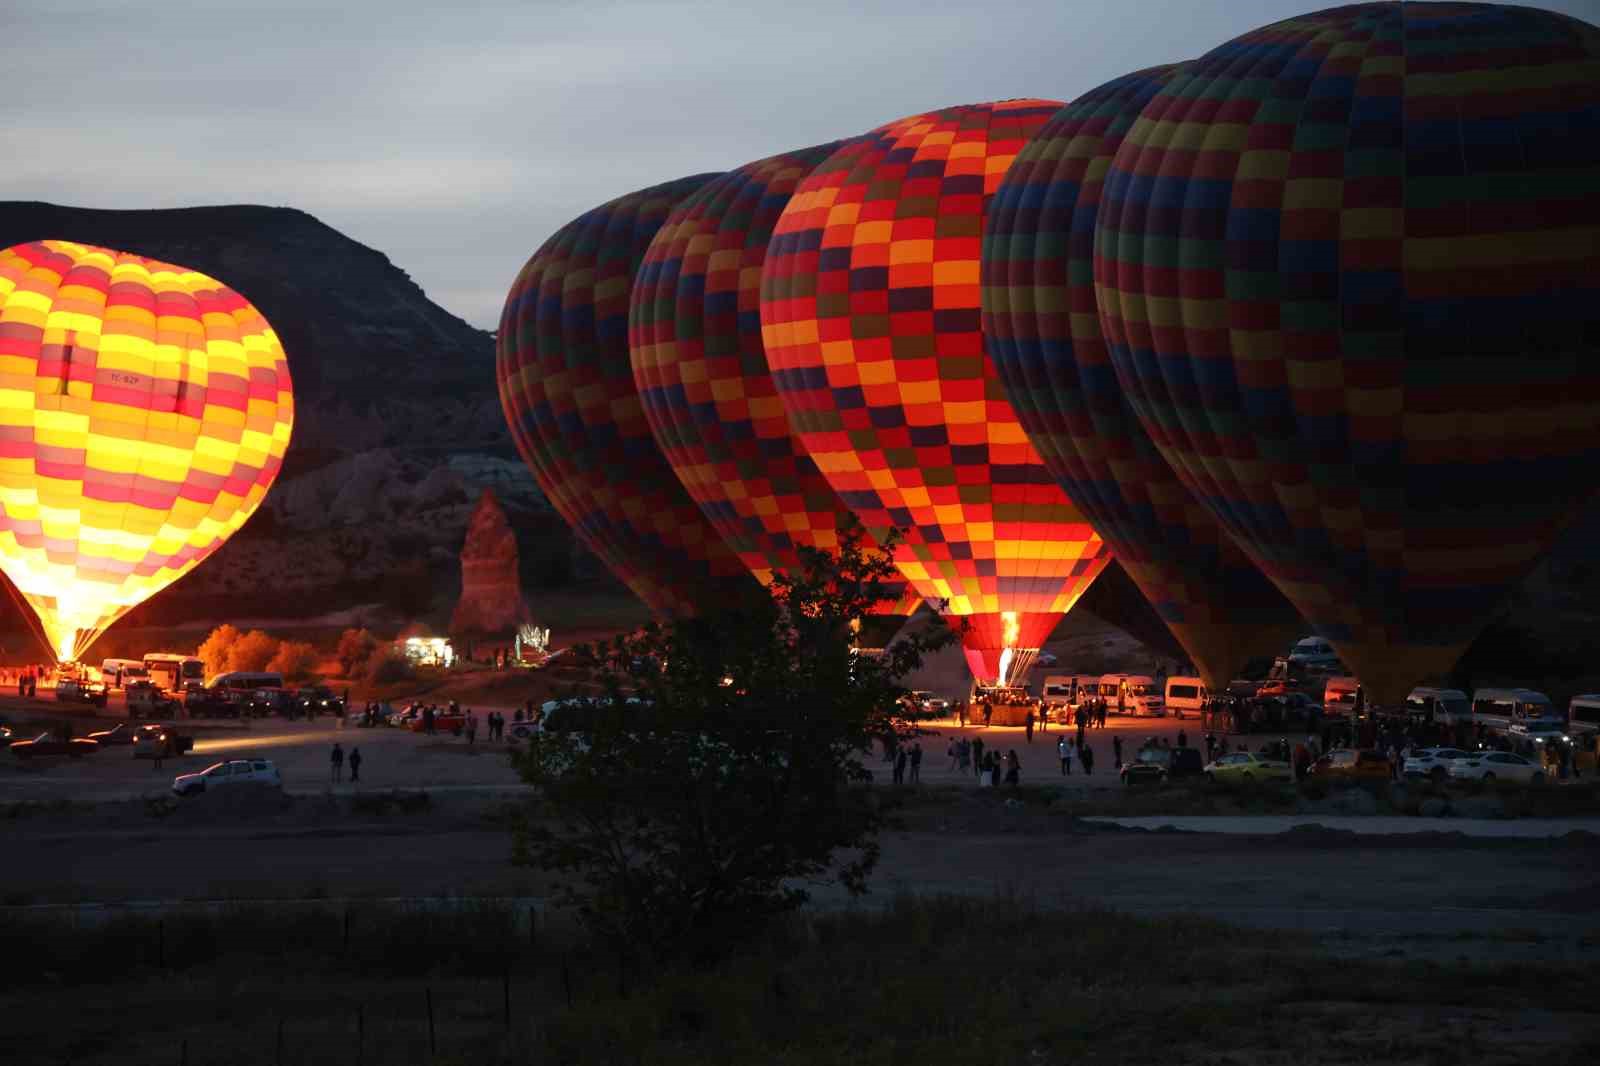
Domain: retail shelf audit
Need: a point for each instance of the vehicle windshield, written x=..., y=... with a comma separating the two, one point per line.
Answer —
x=1457, y=707
x=1139, y=689
x=214, y=768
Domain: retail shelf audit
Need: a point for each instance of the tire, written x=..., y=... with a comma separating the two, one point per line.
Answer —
x=1437, y=775
x=1161, y=781
x=1487, y=778
x=1537, y=779
x=1211, y=778
x=1247, y=776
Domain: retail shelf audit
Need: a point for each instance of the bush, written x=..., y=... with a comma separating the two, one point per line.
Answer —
x=252, y=652
x=296, y=660
x=721, y=769
x=387, y=668
x=217, y=649
x=356, y=647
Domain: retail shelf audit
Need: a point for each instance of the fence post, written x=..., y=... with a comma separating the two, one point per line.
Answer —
x=433, y=1043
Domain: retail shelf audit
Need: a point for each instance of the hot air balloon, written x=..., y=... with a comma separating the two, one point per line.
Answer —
x=1348, y=267
x=695, y=334
x=567, y=389
x=1044, y=335
x=870, y=317
x=144, y=413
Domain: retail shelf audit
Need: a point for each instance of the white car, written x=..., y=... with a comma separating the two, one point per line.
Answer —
x=225, y=774
x=1541, y=730
x=1497, y=766
x=1431, y=763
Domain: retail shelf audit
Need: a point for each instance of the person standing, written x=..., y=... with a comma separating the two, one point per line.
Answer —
x=1027, y=726
x=961, y=712
x=355, y=765
x=1086, y=757
x=1183, y=739
x=1044, y=717
x=977, y=756
x=336, y=760
x=900, y=767
x=953, y=750
x=916, y=763
x=963, y=754
x=472, y=729
x=1013, y=769
x=1064, y=753
x=161, y=751
x=1116, y=750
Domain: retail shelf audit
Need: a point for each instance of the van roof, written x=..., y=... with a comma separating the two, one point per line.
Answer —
x=1587, y=698
x=1423, y=690
x=1527, y=695
x=1184, y=679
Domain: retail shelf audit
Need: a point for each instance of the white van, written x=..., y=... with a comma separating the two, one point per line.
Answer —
x=1445, y=706
x=1185, y=695
x=1499, y=707
x=1138, y=694
x=1313, y=652
x=1068, y=690
x=1339, y=696
x=1583, y=714
x=120, y=673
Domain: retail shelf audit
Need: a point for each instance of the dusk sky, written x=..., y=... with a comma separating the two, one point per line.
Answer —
x=455, y=140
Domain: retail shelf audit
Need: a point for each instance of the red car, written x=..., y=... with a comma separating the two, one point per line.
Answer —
x=443, y=722
x=50, y=744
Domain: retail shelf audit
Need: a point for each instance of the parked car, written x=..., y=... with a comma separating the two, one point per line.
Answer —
x=1350, y=764
x=262, y=702
x=1497, y=766
x=121, y=733
x=1247, y=766
x=81, y=690
x=147, y=700
x=163, y=740
x=319, y=699
x=1157, y=766
x=54, y=744
x=228, y=774
x=444, y=721
x=204, y=702
x=1313, y=651
x=1431, y=763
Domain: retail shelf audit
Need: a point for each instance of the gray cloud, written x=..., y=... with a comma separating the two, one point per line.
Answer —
x=456, y=139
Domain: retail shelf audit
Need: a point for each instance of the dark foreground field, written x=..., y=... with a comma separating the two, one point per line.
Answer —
x=936, y=981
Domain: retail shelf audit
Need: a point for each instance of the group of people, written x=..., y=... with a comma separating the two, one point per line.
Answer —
x=338, y=760
x=1068, y=749
x=26, y=678
x=990, y=767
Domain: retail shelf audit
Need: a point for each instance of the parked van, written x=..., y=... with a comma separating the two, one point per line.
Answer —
x=1583, y=714
x=1313, y=652
x=174, y=672
x=1499, y=707
x=120, y=673
x=1185, y=695
x=1339, y=696
x=1069, y=690
x=242, y=681
x=1445, y=706
x=1137, y=693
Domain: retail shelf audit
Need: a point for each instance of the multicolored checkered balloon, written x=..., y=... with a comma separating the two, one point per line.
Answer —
x=1043, y=333
x=1348, y=268
x=870, y=316
x=144, y=412
x=567, y=388
x=695, y=334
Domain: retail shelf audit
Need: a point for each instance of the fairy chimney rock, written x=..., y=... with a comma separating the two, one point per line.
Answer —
x=491, y=590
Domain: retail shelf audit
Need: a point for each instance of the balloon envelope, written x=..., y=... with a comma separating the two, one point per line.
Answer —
x=144, y=412
x=870, y=313
x=1044, y=334
x=701, y=371
x=1349, y=271
x=567, y=388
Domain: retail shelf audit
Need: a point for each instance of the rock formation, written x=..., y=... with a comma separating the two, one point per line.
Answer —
x=491, y=588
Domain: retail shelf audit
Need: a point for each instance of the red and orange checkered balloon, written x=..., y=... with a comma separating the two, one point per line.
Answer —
x=870, y=314
x=567, y=389
x=695, y=334
x=144, y=412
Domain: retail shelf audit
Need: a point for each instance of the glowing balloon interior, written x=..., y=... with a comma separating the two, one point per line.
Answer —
x=144, y=412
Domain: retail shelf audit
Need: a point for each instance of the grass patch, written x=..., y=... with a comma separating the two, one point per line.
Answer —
x=946, y=981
